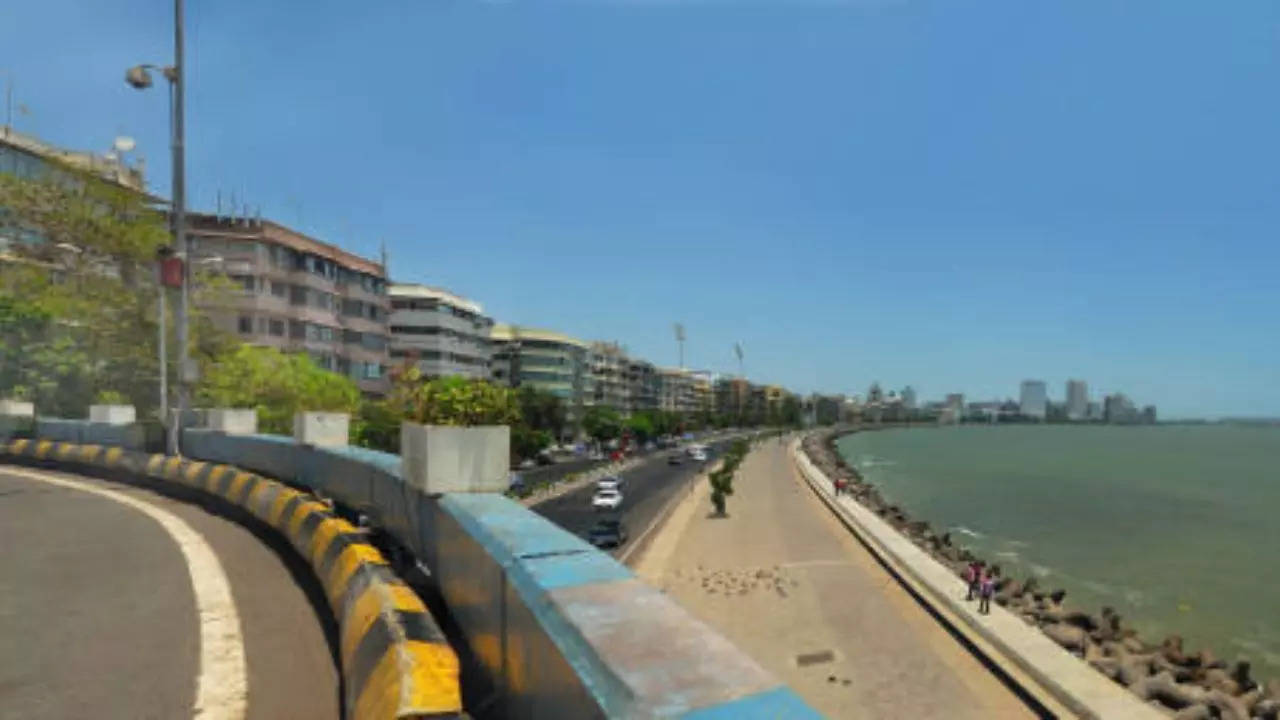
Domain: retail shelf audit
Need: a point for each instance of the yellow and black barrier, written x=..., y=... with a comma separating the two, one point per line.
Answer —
x=396, y=663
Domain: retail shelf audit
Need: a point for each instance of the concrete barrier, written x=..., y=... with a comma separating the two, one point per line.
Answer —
x=395, y=660
x=558, y=629
x=132, y=436
x=1058, y=680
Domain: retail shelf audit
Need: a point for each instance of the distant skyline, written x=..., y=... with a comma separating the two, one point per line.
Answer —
x=941, y=194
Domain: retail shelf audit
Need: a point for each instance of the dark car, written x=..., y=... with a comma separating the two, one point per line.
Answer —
x=607, y=533
x=673, y=458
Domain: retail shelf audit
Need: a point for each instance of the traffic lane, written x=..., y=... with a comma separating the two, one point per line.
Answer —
x=96, y=608
x=646, y=490
x=288, y=633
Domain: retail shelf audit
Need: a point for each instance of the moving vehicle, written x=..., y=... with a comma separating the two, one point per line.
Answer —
x=614, y=482
x=673, y=458
x=606, y=500
x=698, y=456
x=607, y=533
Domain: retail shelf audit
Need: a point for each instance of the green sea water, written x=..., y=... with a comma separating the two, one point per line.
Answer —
x=1176, y=527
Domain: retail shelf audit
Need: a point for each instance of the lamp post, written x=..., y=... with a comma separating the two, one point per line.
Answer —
x=140, y=78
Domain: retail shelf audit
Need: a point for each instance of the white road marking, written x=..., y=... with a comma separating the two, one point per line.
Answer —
x=222, y=686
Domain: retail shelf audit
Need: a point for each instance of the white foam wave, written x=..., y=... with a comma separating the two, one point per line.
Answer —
x=966, y=531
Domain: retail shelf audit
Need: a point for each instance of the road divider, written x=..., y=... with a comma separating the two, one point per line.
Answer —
x=396, y=662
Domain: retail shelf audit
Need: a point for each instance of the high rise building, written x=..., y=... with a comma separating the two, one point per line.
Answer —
x=1119, y=410
x=605, y=383
x=1033, y=401
x=442, y=333
x=1077, y=400
x=542, y=359
x=908, y=396
x=676, y=390
x=296, y=293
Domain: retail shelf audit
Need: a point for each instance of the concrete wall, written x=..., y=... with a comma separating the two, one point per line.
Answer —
x=84, y=432
x=559, y=628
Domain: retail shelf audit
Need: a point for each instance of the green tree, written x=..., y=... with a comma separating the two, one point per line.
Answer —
x=542, y=411
x=641, y=427
x=602, y=423
x=81, y=268
x=791, y=413
x=278, y=385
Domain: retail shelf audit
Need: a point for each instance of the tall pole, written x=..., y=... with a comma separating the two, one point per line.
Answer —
x=179, y=227
x=164, y=357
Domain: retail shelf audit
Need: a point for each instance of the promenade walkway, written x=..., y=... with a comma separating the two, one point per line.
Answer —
x=782, y=579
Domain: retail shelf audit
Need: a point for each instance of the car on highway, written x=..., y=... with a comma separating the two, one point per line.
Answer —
x=607, y=533
x=674, y=458
x=614, y=482
x=698, y=456
x=606, y=499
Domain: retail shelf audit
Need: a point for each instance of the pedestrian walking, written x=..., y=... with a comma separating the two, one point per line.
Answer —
x=987, y=589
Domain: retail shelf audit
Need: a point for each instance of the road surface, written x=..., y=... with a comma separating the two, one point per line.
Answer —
x=118, y=602
x=648, y=489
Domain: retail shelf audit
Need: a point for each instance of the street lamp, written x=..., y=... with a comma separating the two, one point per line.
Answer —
x=139, y=77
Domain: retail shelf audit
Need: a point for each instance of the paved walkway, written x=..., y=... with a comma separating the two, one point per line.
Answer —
x=782, y=579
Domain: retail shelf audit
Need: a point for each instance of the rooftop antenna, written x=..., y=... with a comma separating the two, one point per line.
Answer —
x=737, y=350
x=217, y=214
x=383, y=254
x=679, y=328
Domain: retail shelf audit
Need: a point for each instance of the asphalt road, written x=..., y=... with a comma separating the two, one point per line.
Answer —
x=646, y=491
x=105, y=609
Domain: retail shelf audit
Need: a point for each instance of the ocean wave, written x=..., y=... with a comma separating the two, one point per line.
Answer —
x=1017, y=543
x=1007, y=554
x=966, y=531
x=1097, y=587
x=1040, y=570
x=1134, y=597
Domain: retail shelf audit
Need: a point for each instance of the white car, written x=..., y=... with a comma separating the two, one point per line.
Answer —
x=606, y=500
x=614, y=481
x=698, y=456
x=607, y=484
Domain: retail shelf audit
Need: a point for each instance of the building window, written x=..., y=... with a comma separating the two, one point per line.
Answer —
x=297, y=295
x=276, y=328
x=279, y=289
x=247, y=282
x=246, y=324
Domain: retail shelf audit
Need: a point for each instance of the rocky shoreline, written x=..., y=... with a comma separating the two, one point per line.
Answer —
x=1185, y=685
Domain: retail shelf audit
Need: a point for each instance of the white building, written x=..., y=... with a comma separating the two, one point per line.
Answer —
x=442, y=333
x=1077, y=400
x=1033, y=401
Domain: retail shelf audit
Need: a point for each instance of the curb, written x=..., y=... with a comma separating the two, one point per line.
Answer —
x=1058, y=681
x=396, y=662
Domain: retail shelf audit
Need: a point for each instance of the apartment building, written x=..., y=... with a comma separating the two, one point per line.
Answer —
x=297, y=294
x=676, y=390
x=642, y=385
x=442, y=333
x=542, y=359
x=605, y=384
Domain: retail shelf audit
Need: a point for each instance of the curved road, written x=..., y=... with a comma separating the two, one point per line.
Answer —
x=118, y=602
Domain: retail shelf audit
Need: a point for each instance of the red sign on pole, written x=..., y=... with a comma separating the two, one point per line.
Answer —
x=171, y=272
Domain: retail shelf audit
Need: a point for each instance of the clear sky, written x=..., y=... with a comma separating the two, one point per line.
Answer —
x=953, y=195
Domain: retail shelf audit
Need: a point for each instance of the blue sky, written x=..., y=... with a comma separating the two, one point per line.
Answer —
x=953, y=195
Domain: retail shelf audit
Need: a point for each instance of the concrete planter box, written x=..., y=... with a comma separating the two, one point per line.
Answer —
x=445, y=459
x=322, y=429
x=113, y=414
x=17, y=408
x=232, y=421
